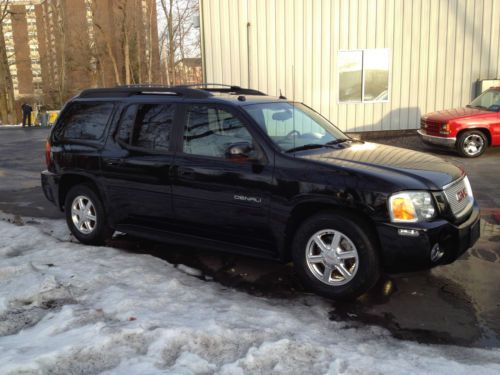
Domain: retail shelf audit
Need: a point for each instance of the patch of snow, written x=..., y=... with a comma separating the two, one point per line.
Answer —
x=189, y=270
x=68, y=308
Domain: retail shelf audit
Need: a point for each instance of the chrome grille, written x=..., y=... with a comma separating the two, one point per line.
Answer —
x=459, y=204
x=430, y=126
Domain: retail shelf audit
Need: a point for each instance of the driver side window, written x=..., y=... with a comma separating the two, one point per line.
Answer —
x=210, y=130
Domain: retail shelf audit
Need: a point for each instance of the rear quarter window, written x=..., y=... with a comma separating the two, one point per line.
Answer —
x=85, y=121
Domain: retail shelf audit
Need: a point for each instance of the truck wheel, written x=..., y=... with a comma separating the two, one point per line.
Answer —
x=85, y=215
x=472, y=143
x=336, y=256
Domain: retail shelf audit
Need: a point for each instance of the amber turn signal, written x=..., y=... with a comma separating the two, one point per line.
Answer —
x=402, y=209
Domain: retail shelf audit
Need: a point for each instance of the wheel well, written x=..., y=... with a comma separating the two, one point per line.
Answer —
x=70, y=180
x=485, y=131
x=304, y=211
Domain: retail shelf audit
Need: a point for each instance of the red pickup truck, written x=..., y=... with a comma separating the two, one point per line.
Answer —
x=469, y=130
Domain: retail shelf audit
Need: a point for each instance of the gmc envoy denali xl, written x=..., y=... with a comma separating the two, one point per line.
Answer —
x=231, y=169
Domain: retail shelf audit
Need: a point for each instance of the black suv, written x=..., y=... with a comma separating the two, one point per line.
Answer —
x=232, y=169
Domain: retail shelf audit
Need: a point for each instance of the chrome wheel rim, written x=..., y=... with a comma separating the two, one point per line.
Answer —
x=83, y=214
x=473, y=144
x=332, y=257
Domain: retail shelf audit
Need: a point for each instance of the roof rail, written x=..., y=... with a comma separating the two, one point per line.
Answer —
x=130, y=90
x=223, y=88
x=190, y=91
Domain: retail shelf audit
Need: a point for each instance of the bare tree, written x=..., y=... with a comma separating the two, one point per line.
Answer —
x=106, y=38
x=7, y=111
x=175, y=42
x=130, y=51
x=58, y=13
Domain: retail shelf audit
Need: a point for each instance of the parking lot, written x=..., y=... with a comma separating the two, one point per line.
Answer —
x=456, y=304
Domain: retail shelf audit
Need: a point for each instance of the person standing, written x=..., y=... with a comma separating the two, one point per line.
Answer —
x=27, y=109
x=42, y=117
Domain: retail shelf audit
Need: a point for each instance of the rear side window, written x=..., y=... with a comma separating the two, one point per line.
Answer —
x=147, y=126
x=86, y=121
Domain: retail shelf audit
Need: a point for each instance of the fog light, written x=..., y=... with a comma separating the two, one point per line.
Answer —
x=436, y=253
x=408, y=232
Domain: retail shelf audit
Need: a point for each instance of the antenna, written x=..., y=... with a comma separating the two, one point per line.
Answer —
x=282, y=96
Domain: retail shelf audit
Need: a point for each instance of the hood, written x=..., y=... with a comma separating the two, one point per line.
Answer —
x=404, y=168
x=452, y=114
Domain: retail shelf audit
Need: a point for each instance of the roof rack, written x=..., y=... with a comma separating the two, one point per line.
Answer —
x=190, y=91
x=223, y=88
x=130, y=90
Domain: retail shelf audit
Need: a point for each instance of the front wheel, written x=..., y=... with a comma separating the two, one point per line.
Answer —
x=85, y=215
x=472, y=143
x=335, y=256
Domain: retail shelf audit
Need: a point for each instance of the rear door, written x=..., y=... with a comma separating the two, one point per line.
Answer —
x=137, y=170
x=213, y=195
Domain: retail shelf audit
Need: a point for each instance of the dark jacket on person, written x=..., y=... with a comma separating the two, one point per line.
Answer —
x=27, y=109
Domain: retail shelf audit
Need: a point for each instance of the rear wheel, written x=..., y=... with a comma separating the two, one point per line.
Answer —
x=472, y=143
x=85, y=215
x=335, y=257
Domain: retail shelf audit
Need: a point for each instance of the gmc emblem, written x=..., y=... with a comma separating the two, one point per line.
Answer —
x=461, y=195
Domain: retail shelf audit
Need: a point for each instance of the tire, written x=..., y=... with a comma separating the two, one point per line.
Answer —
x=472, y=143
x=364, y=267
x=90, y=232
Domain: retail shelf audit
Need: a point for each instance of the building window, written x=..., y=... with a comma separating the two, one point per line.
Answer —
x=364, y=75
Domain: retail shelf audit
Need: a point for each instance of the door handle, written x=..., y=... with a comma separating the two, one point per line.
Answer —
x=185, y=172
x=114, y=162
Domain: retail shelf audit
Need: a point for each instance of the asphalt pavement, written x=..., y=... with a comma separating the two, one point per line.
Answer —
x=454, y=304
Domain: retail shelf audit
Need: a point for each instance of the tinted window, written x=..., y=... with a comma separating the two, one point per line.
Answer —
x=210, y=130
x=153, y=126
x=86, y=120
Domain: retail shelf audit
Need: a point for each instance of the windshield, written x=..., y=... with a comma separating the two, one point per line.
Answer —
x=294, y=126
x=489, y=100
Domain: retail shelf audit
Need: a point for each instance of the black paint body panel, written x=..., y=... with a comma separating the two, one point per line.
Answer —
x=247, y=206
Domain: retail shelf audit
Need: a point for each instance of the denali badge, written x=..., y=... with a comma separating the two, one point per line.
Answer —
x=247, y=199
x=461, y=195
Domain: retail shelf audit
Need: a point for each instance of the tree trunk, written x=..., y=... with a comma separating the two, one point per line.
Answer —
x=126, y=48
x=7, y=110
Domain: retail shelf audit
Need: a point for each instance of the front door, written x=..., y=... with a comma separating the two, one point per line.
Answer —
x=137, y=173
x=215, y=195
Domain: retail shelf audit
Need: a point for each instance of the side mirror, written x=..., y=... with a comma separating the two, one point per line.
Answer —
x=239, y=151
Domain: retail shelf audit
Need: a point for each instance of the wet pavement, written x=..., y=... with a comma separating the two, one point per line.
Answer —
x=454, y=304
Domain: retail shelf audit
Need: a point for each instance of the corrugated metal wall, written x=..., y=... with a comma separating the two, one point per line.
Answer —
x=438, y=49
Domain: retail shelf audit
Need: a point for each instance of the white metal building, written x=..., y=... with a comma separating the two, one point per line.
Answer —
x=367, y=65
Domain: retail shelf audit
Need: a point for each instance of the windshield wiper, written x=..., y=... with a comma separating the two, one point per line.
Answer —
x=308, y=146
x=476, y=106
x=311, y=146
x=343, y=140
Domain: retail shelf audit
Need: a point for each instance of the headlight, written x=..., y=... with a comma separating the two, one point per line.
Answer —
x=411, y=207
x=445, y=129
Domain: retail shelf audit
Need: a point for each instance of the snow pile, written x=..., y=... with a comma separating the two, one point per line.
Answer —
x=67, y=308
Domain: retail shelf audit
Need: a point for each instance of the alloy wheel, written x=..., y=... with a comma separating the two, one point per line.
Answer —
x=83, y=214
x=332, y=257
x=473, y=144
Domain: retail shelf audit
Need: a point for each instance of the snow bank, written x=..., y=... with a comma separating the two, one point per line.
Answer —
x=67, y=308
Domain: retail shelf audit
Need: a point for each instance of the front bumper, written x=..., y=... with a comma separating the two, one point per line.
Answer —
x=50, y=187
x=436, y=141
x=405, y=253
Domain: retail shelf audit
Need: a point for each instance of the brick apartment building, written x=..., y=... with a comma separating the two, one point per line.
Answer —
x=58, y=47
